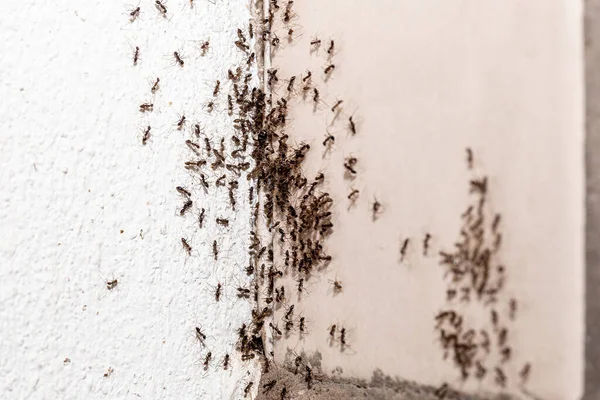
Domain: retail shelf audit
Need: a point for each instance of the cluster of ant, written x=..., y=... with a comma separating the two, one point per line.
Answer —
x=177, y=57
x=216, y=166
x=475, y=276
x=296, y=210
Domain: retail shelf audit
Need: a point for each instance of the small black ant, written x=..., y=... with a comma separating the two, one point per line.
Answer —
x=330, y=49
x=247, y=389
x=136, y=55
x=336, y=105
x=146, y=135
x=181, y=123
x=146, y=107
x=204, y=47
x=134, y=14
x=201, y=218
x=207, y=360
x=155, y=86
x=403, y=249
x=352, y=126
x=178, y=59
x=161, y=8
x=186, y=246
x=226, y=361
x=218, y=292
x=186, y=206
x=426, y=243
x=469, y=158
x=269, y=385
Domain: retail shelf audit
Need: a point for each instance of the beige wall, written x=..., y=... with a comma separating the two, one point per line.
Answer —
x=425, y=80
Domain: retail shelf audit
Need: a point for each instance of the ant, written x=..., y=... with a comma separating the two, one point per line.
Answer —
x=403, y=249
x=479, y=185
x=136, y=55
x=207, y=360
x=290, y=35
x=155, y=86
x=329, y=140
x=134, y=14
x=512, y=309
x=269, y=385
x=353, y=195
x=226, y=361
x=350, y=163
x=337, y=287
x=195, y=147
x=352, y=126
x=250, y=30
x=243, y=292
x=186, y=206
x=242, y=46
x=275, y=328
x=181, y=123
x=146, y=135
x=247, y=389
x=315, y=44
x=220, y=181
x=186, y=246
x=229, y=104
x=307, y=77
x=329, y=68
x=426, y=243
x=343, y=338
x=469, y=158
x=218, y=292
x=336, y=105
x=210, y=106
x=223, y=221
x=302, y=325
x=200, y=335
x=146, y=107
x=215, y=250
x=332, y=331
x=330, y=49
x=290, y=86
x=161, y=8
x=178, y=58
x=300, y=283
x=496, y=222
x=316, y=95
x=197, y=130
x=201, y=218
x=376, y=209
x=442, y=391
x=204, y=47
x=217, y=86
x=110, y=285
x=289, y=313
x=308, y=377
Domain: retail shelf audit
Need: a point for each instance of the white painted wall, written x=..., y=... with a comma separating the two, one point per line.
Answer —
x=82, y=201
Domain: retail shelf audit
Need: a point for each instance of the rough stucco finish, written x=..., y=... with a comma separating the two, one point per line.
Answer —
x=74, y=174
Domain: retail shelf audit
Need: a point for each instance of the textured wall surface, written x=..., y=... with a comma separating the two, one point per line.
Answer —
x=84, y=202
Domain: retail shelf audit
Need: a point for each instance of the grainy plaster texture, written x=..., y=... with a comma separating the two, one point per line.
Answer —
x=83, y=202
